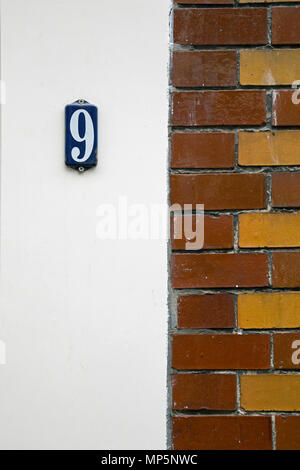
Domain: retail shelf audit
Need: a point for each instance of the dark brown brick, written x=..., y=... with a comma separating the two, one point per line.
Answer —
x=285, y=25
x=286, y=269
x=206, y=311
x=204, y=68
x=221, y=351
x=286, y=189
x=285, y=112
x=286, y=347
x=219, y=191
x=203, y=392
x=219, y=270
x=219, y=108
x=222, y=433
x=218, y=232
x=287, y=432
x=220, y=26
x=203, y=150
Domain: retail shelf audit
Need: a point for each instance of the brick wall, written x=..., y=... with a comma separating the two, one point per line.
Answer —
x=235, y=147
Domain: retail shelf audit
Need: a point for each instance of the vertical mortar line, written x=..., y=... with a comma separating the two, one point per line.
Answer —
x=235, y=297
x=238, y=375
x=236, y=233
x=236, y=249
x=236, y=230
x=238, y=394
x=270, y=268
x=238, y=379
x=236, y=150
x=269, y=191
x=269, y=208
x=269, y=98
x=269, y=21
x=272, y=349
x=273, y=418
x=235, y=216
x=238, y=61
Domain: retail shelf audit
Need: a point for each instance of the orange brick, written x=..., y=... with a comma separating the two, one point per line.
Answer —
x=269, y=148
x=269, y=230
x=271, y=392
x=269, y=67
x=269, y=310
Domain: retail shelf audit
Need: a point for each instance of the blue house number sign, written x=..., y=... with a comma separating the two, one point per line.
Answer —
x=81, y=135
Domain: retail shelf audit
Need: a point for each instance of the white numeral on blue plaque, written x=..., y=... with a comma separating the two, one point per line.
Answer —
x=81, y=135
x=88, y=137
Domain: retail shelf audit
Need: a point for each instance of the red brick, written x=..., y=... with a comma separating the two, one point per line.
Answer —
x=203, y=150
x=285, y=25
x=218, y=232
x=286, y=189
x=219, y=191
x=203, y=392
x=221, y=351
x=285, y=112
x=286, y=269
x=218, y=108
x=287, y=432
x=222, y=433
x=204, y=68
x=286, y=351
x=219, y=270
x=220, y=26
x=206, y=311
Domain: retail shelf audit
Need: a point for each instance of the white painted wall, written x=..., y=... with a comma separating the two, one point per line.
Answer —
x=84, y=320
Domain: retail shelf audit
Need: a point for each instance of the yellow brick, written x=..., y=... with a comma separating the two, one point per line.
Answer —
x=264, y=310
x=270, y=392
x=269, y=230
x=269, y=148
x=275, y=67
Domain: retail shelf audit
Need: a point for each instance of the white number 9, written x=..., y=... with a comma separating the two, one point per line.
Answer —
x=88, y=137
